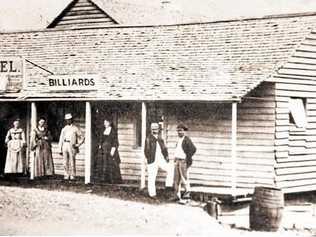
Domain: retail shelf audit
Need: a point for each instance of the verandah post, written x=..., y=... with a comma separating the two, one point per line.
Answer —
x=143, y=168
x=33, y=126
x=233, y=148
x=87, y=160
x=33, y=115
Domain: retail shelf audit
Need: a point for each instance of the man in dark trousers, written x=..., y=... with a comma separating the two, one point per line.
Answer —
x=184, y=151
x=156, y=154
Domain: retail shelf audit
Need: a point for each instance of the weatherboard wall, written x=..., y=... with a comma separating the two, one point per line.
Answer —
x=296, y=147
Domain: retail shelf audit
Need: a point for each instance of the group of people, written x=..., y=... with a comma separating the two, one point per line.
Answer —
x=157, y=156
x=41, y=163
x=71, y=138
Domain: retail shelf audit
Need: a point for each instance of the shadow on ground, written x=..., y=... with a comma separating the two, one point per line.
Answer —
x=129, y=192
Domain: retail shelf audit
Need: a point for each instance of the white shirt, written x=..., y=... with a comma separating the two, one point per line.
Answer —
x=69, y=130
x=72, y=134
x=107, y=131
x=179, y=153
x=158, y=154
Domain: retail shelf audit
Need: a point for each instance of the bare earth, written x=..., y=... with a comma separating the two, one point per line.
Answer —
x=34, y=211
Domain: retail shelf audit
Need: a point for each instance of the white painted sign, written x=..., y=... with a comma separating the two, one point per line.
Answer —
x=11, y=66
x=73, y=82
x=3, y=82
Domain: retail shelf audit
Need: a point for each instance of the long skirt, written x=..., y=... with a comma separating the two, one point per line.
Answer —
x=15, y=157
x=43, y=161
x=112, y=172
x=108, y=168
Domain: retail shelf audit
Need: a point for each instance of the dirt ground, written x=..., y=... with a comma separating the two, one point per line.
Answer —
x=61, y=208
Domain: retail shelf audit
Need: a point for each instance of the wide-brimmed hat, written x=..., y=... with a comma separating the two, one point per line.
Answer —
x=154, y=126
x=182, y=126
x=68, y=116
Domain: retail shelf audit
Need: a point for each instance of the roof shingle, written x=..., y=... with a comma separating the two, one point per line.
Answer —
x=219, y=61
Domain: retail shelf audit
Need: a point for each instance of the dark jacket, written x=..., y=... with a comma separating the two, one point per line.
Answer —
x=106, y=142
x=150, y=148
x=189, y=150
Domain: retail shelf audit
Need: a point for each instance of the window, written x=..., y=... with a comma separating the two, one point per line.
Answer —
x=297, y=107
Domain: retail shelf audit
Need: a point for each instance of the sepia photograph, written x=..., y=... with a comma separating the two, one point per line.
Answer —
x=158, y=118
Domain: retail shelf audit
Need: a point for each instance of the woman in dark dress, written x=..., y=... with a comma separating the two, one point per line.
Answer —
x=109, y=155
x=41, y=146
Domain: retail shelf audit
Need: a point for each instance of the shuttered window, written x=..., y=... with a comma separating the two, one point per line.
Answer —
x=298, y=112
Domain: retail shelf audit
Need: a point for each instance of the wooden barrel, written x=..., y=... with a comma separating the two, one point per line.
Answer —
x=266, y=209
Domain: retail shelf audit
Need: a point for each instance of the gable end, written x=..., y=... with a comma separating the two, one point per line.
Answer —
x=82, y=14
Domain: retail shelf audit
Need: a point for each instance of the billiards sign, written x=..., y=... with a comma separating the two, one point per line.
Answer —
x=72, y=82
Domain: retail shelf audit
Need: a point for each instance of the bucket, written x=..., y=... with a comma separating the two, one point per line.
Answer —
x=213, y=207
x=266, y=209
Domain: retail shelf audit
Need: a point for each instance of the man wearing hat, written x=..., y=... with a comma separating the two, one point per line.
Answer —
x=156, y=154
x=70, y=140
x=184, y=151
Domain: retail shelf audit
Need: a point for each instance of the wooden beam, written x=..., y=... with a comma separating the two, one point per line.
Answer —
x=233, y=148
x=30, y=154
x=87, y=165
x=144, y=126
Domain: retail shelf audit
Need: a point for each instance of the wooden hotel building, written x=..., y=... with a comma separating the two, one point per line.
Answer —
x=245, y=88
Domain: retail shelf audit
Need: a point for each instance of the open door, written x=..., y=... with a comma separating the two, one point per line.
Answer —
x=10, y=111
x=100, y=112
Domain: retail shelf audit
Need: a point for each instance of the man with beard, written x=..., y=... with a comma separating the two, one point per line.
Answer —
x=156, y=154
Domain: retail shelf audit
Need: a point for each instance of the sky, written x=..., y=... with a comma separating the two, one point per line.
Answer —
x=18, y=15
x=28, y=14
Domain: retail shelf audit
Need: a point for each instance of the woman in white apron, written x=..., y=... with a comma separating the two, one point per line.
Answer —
x=15, y=140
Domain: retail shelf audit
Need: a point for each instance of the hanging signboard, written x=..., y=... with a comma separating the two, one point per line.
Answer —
x=11, y=74
x=73, y=82
x=11, y=66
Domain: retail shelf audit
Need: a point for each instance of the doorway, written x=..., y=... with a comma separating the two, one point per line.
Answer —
x=8, y=112
x=100, y=112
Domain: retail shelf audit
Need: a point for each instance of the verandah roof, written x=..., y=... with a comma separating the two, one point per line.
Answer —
x=219, y=61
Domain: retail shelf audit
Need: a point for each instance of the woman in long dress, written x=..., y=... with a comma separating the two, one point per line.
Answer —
x=109, y=155
x=41, y=146
x=15, y=140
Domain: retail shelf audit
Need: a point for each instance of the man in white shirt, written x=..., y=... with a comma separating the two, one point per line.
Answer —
x=156, y=154
x=184, y=151
x=69, y=142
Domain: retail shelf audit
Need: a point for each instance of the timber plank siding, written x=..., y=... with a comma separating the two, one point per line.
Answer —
x=255, y=148
x=296, y=167
x=82, y=14
x=197, y=73
x=130, y=154
x=210, y=130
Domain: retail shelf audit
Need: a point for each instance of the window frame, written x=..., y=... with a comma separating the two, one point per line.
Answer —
x=297, y=114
